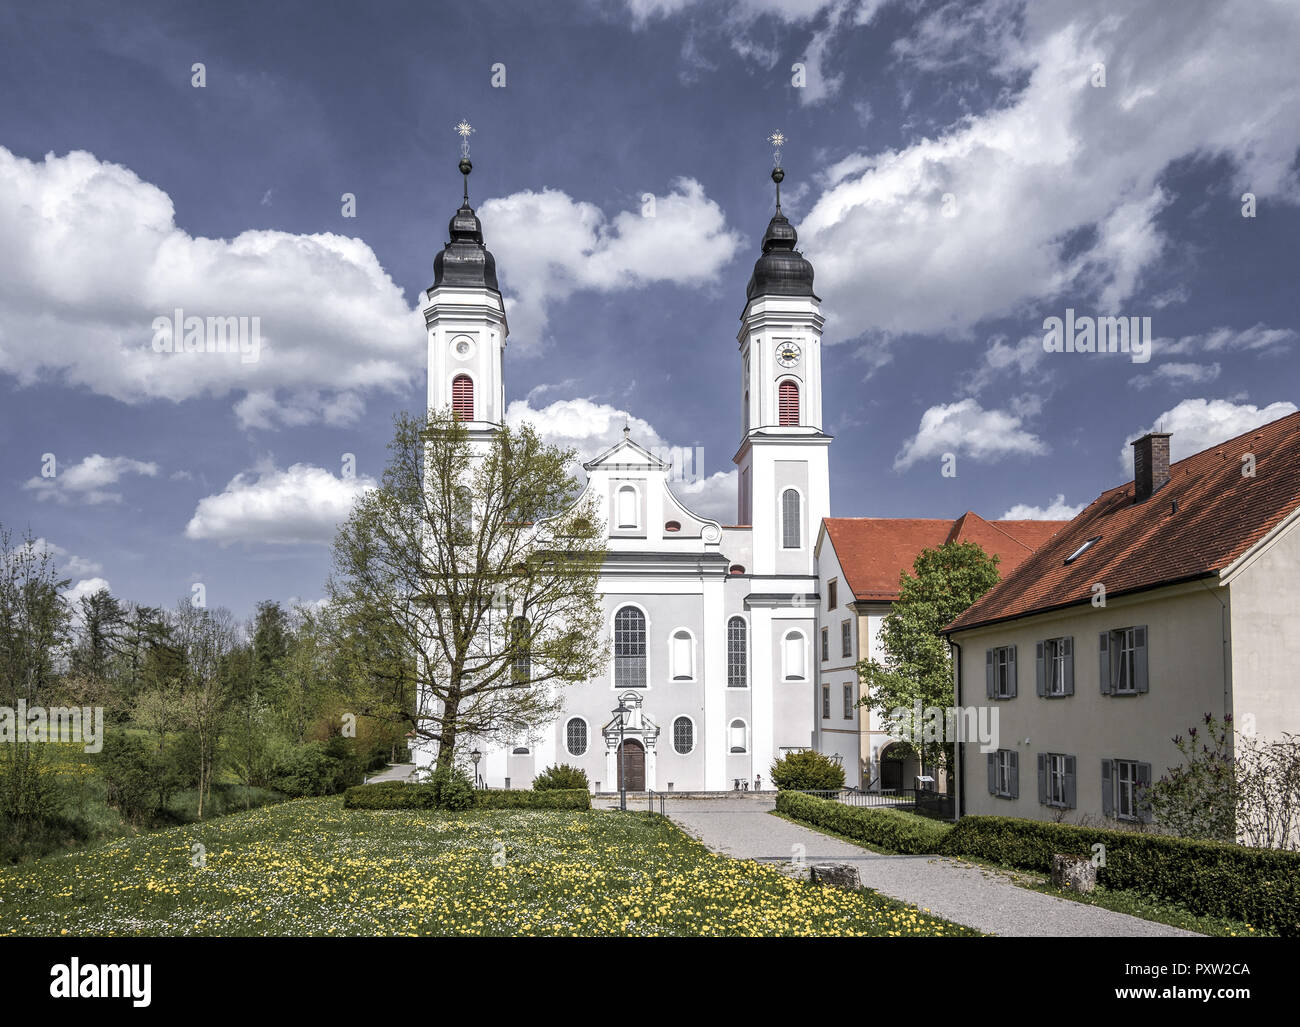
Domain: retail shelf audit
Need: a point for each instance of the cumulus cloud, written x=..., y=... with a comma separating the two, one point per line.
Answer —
x=1198, y=424
x=549, y=246
x=1078, y=171
x=1057, y=509
x=93, y=256
x=303, y=504
x=1176, y=374
x=1002, y=359
x=966, y=428
x=85, y=587
x=89, y=482
x=68, y=564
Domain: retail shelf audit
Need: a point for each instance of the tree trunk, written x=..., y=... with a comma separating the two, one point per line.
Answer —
x=447, y=735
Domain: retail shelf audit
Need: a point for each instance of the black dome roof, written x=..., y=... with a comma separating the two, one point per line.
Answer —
x=465, y=261
x=781, y=270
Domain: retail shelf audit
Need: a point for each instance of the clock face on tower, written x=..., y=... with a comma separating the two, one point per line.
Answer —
x=787, y=354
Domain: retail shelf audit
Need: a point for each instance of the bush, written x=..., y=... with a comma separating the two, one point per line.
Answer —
x=451, y=789
x=401, y=795
x=317, y=768
x=130, y=770
x=553, y=798
x=889, y=829
x=807, y=771
x=1258, y=886
x=561, y=777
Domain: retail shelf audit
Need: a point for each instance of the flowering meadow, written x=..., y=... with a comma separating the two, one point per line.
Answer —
x=310, y=867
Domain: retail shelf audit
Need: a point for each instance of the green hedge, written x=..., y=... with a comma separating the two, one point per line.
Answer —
x=886, y=828
x=1258, y=886
x=401, y=795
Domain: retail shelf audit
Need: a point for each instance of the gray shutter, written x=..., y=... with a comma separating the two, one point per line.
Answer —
x=1040, y=671
x=1042, y=778
x=1070, y=791
x=1068, y=643
x=993, y=773
x=1104, y=650
x=1144, y=784
x=989, y=687
x=1140, y=658
x=1015, y=774
x=1107, y=790
x=1011, y=672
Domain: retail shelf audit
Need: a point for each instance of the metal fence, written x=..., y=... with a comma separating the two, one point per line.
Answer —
x=923, y=801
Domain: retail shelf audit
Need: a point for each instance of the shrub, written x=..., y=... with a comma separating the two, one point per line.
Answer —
x=130, y=770
x=807, y=771
x=1258, y=886
x=561, y=776
x=885, y=828
x=316, y=768
x=401, y=795
x=553, y=798
x=451, y=789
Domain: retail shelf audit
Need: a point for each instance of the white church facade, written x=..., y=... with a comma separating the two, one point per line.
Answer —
x=711, y=627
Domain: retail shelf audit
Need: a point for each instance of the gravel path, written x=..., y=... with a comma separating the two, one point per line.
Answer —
x=966, y=894
x=395, y=772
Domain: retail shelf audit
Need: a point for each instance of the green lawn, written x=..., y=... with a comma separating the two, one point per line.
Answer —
x=310, y=867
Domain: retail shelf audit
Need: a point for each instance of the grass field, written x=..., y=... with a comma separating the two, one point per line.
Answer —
x=310, y=867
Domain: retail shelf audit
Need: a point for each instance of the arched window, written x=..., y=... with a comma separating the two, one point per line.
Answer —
x=629, y=648
x=520, y=745
x=521, y=669
x=462, y=397
x=627, y=507
x=795, y=657
x=683, y=669
x=790, y=519
x=737, y=661
x=737, y=736
x=788, y=402
x=575, y=736
x=683, y=735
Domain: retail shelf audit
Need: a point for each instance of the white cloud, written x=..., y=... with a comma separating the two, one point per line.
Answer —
x=69, y=564
x=89, y=482
x=549, y=246
x=1057, y=164
x=966, y=428
x=301, y=504
x=1198, y=424
x=1002, y=359
x=93, y=255
x=1176, y=374
x=1056, y=510
x=85, y=587
x=1258, y=338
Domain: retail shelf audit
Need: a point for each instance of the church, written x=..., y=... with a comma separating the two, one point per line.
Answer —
x=711, y=626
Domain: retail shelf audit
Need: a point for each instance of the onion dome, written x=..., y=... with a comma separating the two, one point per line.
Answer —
x=781, y=270
x=465, y=262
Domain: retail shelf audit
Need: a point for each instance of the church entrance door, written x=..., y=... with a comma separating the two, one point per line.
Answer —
x=631, y=760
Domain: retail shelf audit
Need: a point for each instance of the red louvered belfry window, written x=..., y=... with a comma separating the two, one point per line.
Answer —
x=462, y=397
x=788, y=406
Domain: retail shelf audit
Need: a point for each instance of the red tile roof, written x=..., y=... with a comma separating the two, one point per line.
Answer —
x=874, y=551
x=1220, y=514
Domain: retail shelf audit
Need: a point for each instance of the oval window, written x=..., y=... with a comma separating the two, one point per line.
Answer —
x=736, y=568
x=672, y=526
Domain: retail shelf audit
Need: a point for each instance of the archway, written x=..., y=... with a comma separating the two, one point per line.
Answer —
x=631, y=761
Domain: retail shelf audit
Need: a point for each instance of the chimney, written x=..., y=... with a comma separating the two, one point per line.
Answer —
x=1150, y=464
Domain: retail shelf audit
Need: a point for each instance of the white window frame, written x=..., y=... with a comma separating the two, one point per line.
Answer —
x=731, y=727
x=1123, y=644
x=848, y=701
x=1002, y=672
x=673, y=655
x=1124, y=790
x=1056, y=779
x=786, y=674
x=1004, y=772
x=1054, y=666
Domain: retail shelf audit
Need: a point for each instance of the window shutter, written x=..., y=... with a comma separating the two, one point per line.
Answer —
x=1042, y=778
x=993, y=773
x=1011, y=671
x=1107, y=790
x=1040, y=671
x=1140, y=658
x=462, y=397
x=990, y=688
x=1068, y=644
x=1144, y=784
x=788, y=403
x=1015, y=774
x=1104, y=650
x=1070, y=792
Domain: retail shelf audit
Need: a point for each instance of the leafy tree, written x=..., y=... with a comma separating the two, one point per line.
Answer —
x=1198, y=799
x=917, y=665
x=481, y=563
x=205, y=638
x=102, y=625
x=807, y=771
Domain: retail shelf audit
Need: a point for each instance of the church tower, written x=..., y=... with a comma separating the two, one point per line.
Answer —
x=466, y=323
x=784, y=487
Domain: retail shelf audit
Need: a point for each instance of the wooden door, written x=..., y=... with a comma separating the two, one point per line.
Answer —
x=631, y=761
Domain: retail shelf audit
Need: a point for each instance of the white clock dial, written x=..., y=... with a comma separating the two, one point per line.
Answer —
x=463, y=348
x=787, y=354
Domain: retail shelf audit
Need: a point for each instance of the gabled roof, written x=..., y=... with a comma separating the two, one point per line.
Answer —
x=874, y=551
x=632, y=456
x=1207, y=516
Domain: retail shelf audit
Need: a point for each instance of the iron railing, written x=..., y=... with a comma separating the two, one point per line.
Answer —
x=923, y=801
x=650, y=797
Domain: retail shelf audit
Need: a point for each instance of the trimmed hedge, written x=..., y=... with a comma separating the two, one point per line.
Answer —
x=1258, y=886
x=886, y=828
x=401, y=795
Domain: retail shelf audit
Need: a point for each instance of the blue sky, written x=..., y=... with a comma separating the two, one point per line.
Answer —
x=957, y=173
